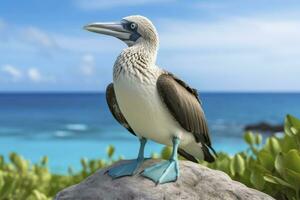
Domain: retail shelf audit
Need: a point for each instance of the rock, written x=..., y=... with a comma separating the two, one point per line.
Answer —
x=264, y=127
x=195, y=182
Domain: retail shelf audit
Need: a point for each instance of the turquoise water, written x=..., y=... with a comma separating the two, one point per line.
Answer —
x=66, y=127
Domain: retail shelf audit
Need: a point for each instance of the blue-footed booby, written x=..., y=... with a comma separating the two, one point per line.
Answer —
x=152, y=103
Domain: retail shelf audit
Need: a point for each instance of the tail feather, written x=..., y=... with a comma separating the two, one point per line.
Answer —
x=187, y=156
x=193, y=152
x=207, y=155
x=213, y=150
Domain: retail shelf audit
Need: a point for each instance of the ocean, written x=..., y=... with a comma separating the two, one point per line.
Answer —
x=70, y=126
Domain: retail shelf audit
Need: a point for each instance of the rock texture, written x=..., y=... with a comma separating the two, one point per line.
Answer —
x=195, y=182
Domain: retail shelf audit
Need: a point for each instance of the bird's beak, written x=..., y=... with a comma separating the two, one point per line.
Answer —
x=113, y=29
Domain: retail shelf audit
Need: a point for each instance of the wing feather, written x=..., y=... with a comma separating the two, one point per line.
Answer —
x=185, y=106
x=114, y=107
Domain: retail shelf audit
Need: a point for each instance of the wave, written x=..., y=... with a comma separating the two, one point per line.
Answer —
x=61, y=133
x=77, y=127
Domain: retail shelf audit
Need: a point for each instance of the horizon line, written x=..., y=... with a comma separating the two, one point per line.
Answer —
x=96, y=91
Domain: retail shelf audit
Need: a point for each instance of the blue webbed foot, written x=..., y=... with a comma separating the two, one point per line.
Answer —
x=163, y=172
x=129, y=168
x=126, y=169
x=166, y=171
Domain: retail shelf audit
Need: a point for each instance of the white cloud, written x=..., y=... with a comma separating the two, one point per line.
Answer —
x=36, y=76
x=238, y=34
x=39, y=37
x=87, y=67
x=34, y=41
x=14, y=73
x=260, y=48
x=253, y=53
x=32, y=74
x=27, y=41
x=104, y=4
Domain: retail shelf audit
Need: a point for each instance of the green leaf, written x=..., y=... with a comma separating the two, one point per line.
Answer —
x=1, y=161
x=9, y=186
x=2, y=182
x=101, y=163
x=237, y=165
x=37, y=195
x=266, y=159
x=249, y=138
x=288, y=143
x=273, y=145
x=166, y=152
x=223, y=165
x=92, y=165
x=279, y=163
x=293, y=177
x=19, y=162
x=292, y=160
x=276, y=180
x=288, y=166
x=270, y=179
x=291, y=125
x=44, y=161
x=84, y=163
x=154, y=155
x=110, y=151
x=258, y=139
x=257, y=179
x=261, y=168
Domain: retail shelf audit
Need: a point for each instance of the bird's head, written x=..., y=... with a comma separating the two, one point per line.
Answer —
x=132, y=30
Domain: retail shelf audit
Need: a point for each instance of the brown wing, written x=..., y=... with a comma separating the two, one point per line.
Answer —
x=114, y=107
x=184, y=104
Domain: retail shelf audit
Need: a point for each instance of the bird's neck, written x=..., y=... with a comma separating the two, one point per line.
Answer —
x=136, y=61
x=144, y=50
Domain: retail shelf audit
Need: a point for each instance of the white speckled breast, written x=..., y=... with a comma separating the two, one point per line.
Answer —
x=135, y=76
x=142, y=107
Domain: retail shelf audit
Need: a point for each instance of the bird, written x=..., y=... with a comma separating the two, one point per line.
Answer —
x=152, y=103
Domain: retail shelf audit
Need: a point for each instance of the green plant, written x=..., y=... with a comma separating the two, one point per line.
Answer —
x=272, y=167
x=20, y=180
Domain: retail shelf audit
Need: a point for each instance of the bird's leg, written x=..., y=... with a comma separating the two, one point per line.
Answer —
x=166, y=171
x=129, y=168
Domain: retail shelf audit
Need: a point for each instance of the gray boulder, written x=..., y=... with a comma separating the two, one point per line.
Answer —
x=195, y=182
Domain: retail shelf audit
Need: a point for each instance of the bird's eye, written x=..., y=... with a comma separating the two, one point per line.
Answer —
x=132, y=26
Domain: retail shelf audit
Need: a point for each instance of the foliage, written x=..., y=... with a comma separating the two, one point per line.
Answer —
x=21, y=180
x=273, y=168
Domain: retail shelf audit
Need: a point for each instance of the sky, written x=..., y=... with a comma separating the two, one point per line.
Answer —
x=220, y=45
